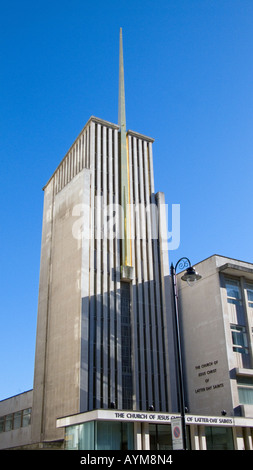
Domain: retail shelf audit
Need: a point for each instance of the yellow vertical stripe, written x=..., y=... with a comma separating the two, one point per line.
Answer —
x=128, y=210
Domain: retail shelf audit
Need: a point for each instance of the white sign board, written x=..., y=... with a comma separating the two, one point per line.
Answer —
x=176, y=431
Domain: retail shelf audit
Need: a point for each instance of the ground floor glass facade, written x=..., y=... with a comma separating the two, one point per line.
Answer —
x=160, y=437
x=119, y=433
x=219, y=438
x=100, y=435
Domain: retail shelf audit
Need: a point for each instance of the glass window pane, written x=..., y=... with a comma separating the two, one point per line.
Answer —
x=26, y=417
x=245, y=395
x=108, y=435
x=87, y=436
x=127, y=436
x=219, y=438
x=245, y=381
x=72, y=438
x=1, y=424
x=250, y=295
x=9, y=422
x=239, y=339
x=160, y=437
x=17, y=420
x=233, y=289
x=235, y=305
x=240, y=350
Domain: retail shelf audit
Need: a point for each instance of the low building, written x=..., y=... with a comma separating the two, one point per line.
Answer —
x=217, y=325
x=15, y=420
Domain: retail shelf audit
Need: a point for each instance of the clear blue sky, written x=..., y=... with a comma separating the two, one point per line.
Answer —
x=189, y=84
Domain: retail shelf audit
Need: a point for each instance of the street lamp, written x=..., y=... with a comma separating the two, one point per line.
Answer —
x=191, y=277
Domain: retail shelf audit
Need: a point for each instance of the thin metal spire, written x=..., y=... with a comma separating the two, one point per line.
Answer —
x=126, y=255
x=122, y=106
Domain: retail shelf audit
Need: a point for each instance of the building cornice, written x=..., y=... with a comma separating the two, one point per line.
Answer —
x=140, y=136
x=102, y=122
x=150, y=417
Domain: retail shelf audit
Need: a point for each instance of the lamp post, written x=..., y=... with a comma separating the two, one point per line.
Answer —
x=190, y=276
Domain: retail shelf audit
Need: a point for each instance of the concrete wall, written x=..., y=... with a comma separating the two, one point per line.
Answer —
x=57, y=371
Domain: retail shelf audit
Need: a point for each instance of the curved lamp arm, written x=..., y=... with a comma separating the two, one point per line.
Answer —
x=183, y=263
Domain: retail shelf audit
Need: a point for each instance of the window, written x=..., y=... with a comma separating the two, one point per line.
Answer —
x=239, y=339
x=234, y=300
x=160, y=437
x=1, y=424
x=9, y=422
x=219, y=438
x=249, y=288
x=99, y=435
x=26, y=417
x=17, y=420
x=233, y=292
x=245, y=390
x=237, y=318
x=127, y=382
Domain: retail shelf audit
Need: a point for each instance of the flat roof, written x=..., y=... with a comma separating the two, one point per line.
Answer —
x=223, y=256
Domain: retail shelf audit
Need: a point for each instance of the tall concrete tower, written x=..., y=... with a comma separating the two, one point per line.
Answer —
x=104, y=330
